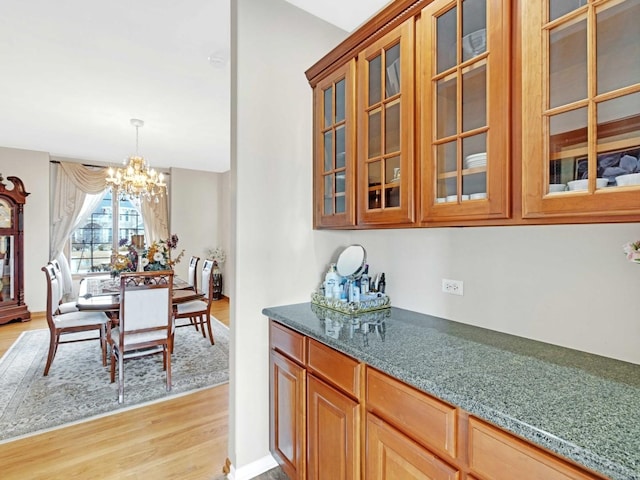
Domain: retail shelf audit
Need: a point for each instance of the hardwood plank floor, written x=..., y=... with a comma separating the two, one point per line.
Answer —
x=183, y=438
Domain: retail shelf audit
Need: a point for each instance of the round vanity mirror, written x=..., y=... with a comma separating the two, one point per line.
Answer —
x=351, y=262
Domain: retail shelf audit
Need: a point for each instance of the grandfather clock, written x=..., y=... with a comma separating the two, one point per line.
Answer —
x=12, y=306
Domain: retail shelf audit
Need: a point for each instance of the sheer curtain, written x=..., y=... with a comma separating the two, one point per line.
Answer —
x=155, y=217
x=77, y=192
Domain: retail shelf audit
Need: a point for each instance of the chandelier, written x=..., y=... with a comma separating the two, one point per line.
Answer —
x=136, y=179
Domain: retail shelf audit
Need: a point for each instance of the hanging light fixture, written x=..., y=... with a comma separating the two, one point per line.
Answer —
x=136, y=179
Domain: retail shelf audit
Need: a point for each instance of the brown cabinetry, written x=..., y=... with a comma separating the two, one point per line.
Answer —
x=333, y=424
x=288, y=401
x=464, y=52
x=481, y=112
x=391, y=454
x=333, y=433
x=334, y=157
x=386, y=128
x=12, y=201
x=315, y=412
x=334, y=417
x=581, y=111
x=496, y=455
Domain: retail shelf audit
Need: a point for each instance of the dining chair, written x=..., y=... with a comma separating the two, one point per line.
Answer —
x=198, y=310
x=62, y=324
x=63, y=307
x=192, y=277
x=145, y=325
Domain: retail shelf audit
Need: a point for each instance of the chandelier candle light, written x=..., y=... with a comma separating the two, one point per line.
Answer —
x=136, y=179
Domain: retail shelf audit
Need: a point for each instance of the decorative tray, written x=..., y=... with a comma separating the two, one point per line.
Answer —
x=352, y=308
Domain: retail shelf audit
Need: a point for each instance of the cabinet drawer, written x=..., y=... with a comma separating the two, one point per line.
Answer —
x=495, y=455
x=335, y=367
x=287, y=341
x=424, y=418
x=390, y=454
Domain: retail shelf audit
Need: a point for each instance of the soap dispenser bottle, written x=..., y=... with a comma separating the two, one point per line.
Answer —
x=331, y=279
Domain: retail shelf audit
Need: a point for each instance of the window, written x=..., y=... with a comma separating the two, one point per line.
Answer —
x=92, y=243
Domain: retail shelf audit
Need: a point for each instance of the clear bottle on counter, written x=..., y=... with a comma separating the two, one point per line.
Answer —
x=331, y=279
x=364, y=281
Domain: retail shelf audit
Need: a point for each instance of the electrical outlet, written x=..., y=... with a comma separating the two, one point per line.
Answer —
x=454, y=287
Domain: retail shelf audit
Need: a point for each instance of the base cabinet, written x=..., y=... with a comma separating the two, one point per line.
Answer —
x=333, y=417
x=391, y=455
x=288, y=438
x=333, y=432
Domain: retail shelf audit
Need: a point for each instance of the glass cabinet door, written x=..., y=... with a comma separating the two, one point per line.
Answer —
x=7, y=287
x=385, y=124
x=581, y=108
x=334, y=172
x=465, y=94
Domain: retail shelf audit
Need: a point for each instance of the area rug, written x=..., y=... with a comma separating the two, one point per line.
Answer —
x=78, y=388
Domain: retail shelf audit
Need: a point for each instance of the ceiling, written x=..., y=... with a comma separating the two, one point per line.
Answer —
x=75, y=72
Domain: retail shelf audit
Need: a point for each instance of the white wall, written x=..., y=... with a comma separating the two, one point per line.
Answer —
x=567, y=285
x=33, y=169
x=277, y=255
x=570, y=285
x=195, y=213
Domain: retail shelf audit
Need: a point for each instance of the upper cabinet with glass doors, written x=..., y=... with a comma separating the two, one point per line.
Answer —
x=581, y=107
x=386, y=129
x=465, y=62
x=334, y=159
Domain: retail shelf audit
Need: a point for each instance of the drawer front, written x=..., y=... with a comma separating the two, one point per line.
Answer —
x=335, y=367
x=287, y=341
x=390, y=454
x=495, y=455
x=422, y=417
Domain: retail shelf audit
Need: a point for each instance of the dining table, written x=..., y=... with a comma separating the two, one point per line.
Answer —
x=101, y=293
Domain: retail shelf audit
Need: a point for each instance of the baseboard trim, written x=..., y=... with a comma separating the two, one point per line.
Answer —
x=253, y=469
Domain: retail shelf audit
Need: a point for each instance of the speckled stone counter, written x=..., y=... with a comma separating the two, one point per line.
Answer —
x=584, y=407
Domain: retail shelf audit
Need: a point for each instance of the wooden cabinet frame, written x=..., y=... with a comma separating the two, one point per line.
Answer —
x=496, y=60
x=403, y=35
x=348, y=218
x=12, y=202
x=517, y=181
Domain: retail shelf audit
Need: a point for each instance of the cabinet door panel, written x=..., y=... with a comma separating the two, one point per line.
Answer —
x=333, y=429
x=465, y=163
x=390, y=455
x=288, y=433
x=386, y=129
x=581, y=109
x=334, y=158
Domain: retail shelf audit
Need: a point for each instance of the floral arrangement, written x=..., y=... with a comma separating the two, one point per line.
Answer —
x=158, y=255
x=124, y=262
x=216, y=254
x=632, y=250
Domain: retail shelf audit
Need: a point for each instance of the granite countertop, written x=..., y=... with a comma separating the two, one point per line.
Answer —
x=582, y=406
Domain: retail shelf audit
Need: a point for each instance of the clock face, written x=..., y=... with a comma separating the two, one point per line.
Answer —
x=5, y=214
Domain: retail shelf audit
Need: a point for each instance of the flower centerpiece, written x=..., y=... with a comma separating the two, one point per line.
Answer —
x=158, y=255
x=632, y=250
x=124, y=262
x=217, y=255
x=155, y=257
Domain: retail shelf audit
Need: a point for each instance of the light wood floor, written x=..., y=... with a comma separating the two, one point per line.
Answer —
x=184, y=438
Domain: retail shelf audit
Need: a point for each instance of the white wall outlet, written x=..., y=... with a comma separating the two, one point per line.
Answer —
x=454, y=287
